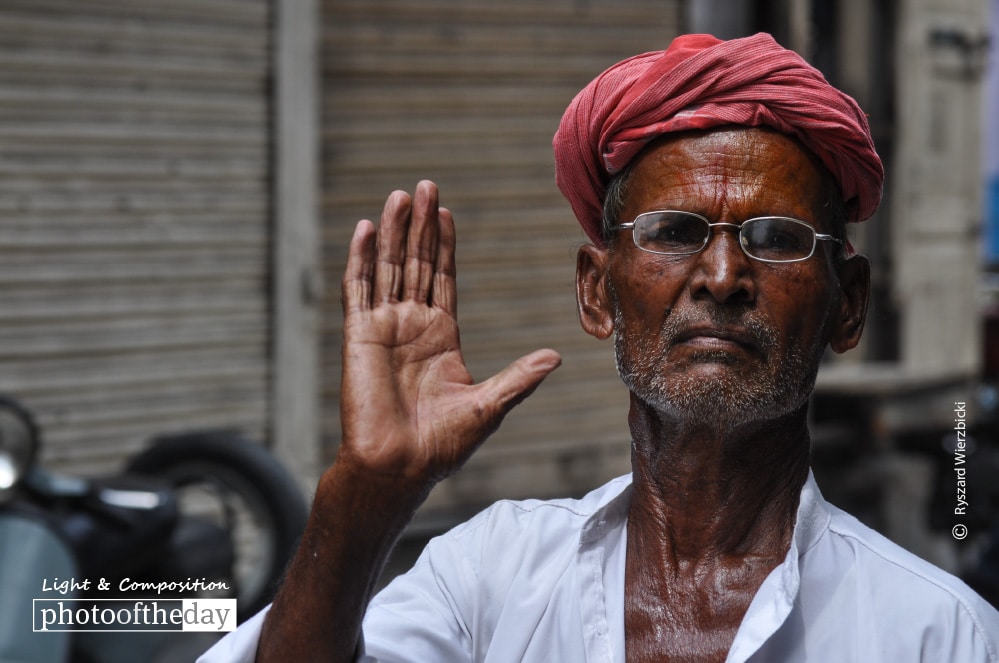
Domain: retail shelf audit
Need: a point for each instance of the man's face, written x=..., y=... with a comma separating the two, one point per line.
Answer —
x=717, y=336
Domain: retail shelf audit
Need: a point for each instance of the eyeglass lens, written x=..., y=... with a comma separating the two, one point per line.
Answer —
x=776, y=239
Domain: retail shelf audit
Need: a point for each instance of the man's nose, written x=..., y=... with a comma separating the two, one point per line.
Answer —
x=723, y=271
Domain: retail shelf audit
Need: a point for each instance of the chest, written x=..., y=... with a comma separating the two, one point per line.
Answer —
x=690, y=618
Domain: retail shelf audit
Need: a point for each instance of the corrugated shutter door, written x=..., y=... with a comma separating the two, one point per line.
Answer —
x=469, y=94
x=134, y=211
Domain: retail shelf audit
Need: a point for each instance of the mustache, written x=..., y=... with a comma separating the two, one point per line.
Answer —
x=749, y=323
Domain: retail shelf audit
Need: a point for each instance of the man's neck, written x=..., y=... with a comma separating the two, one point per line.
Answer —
x=712, y=514
x=704, y=493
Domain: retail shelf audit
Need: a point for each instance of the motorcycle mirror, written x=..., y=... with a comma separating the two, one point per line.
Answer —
x=19, y=444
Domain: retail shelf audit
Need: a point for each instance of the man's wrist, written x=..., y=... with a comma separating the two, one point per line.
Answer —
x=348, y=491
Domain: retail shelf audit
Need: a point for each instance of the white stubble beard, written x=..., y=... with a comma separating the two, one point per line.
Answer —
x=733, y=398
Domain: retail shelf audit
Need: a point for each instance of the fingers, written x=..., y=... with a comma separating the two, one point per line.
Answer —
x=421, y=244
x=359, y=273
x=391, y=244
x=410, y=257
x=445, y=289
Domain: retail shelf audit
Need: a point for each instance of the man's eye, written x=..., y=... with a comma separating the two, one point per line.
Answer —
x=782, y=241
x=676, y=233
x=775, y=239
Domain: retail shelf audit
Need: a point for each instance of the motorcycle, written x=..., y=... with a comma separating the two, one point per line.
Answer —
x=113, y=569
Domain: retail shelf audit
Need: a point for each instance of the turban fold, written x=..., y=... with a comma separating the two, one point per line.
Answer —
x=701, y=82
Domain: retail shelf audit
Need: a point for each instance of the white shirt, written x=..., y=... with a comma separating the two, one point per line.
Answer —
x=543, y=581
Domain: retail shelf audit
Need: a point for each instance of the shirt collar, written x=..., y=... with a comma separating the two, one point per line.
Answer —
x=773, y=601
x=611, y=511
x=812, y=519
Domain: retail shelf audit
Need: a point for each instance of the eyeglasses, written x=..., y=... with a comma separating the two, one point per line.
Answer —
x=764, y=238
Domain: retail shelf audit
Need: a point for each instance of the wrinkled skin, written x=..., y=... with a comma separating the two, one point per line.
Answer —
x=720, y=353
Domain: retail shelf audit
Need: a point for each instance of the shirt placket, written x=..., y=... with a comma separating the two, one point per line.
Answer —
x=597, y=636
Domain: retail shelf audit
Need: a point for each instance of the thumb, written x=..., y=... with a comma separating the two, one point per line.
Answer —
x=500, y=393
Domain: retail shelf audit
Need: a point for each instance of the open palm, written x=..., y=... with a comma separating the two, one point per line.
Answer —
x=410, y=408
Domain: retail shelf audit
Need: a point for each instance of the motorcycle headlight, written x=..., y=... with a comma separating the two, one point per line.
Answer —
x=18, y=445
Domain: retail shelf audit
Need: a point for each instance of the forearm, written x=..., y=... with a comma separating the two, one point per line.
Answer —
x=355, y=521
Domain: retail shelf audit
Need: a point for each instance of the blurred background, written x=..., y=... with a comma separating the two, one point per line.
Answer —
x=179, y=180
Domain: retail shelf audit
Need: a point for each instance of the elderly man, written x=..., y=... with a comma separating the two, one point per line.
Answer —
x=714, y=180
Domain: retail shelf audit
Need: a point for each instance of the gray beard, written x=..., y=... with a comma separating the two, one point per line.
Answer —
x=724, y=403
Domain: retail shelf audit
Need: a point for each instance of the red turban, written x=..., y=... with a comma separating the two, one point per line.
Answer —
x=702, y=82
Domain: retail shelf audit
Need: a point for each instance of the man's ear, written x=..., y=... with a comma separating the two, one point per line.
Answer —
x=855, y=284
x=595, y=311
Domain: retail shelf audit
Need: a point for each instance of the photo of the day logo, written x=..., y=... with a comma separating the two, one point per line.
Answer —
x=216, y=615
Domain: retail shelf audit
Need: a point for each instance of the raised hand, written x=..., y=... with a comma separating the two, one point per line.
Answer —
x=411, y=415
x=410, y=409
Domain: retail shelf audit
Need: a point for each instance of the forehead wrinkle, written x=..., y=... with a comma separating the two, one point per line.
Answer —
x=719, y=184
x=727, y=175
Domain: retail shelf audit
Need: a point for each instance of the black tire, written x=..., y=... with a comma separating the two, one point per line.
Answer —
x=236, y=470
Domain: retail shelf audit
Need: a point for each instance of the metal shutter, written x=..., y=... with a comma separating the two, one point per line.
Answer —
x=134, y=212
